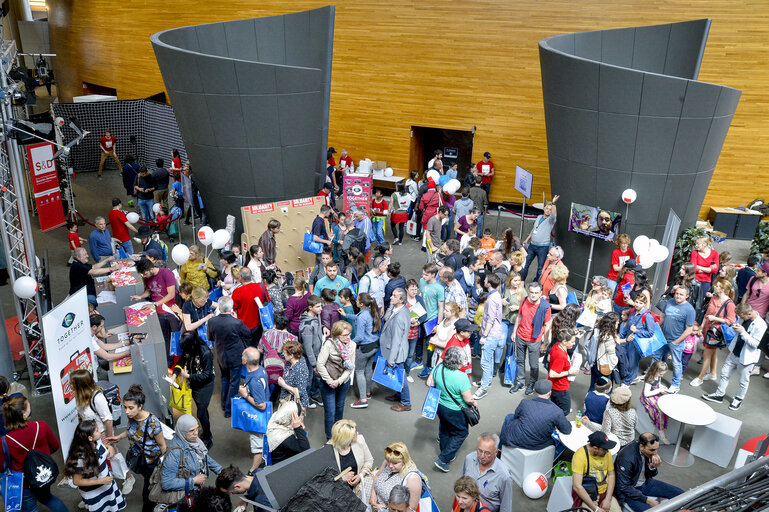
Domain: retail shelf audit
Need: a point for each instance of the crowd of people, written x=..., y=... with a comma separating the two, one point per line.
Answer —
x=476, y=302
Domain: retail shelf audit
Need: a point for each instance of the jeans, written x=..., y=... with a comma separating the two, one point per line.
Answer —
x=333, y=403
x=538, y=251
x=405, y=394
x=145, y=206
x=447, y=228
x=230, y=385
x=378, y=227
x=562, y=399
x=127, y=247
x=675, y=353
x=398, y=230
x=479, y=222
x=520, y=355
x=491, y=351
x=629, y=357
x=730, y=365
x=410, y=357
x=30, y=499
x=92, y=300
x=202, y=397
x=652, y=487
x=452, y=432
x=363, y=369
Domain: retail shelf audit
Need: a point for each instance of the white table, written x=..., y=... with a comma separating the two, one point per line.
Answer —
x=578, y=438
x=687, y=410
x=386, y=181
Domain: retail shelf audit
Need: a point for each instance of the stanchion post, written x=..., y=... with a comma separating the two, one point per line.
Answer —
x=523, y=216
x=499, y=215
x=589, y=263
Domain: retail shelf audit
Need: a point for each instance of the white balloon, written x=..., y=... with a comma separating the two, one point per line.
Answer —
x=661, y=254
x=389, y=172
x=629, y=196
x=221, y=238
x=180, y=254
x=206, y=235
x=156, y=207
x=25, y=287
x=653, y=245
x=452, y=186
x=433, y=175
x=641, y=244
x=132, y=217
x=534, y=485
x=646, y=260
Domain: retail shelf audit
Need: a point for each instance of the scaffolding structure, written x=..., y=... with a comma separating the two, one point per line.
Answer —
x=15, y=227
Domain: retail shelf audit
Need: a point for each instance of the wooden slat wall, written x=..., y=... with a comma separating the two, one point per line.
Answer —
x=400, y=63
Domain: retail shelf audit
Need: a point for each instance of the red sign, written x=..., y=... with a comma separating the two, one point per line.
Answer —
x=45, y=185
x=356, y=191
x=262, y=208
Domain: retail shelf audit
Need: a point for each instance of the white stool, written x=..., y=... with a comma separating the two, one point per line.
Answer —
x=716, y=442
x=645, y=424
x=522, y=462
x=560, y=495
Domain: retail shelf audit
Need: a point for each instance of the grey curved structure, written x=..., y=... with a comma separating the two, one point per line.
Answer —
x=624, y=109
x=251, y=98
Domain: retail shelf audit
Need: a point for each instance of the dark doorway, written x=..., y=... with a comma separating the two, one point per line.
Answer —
x=456, y=145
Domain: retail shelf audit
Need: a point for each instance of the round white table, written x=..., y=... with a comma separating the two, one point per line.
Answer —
x=688, y=411
x=578, y=438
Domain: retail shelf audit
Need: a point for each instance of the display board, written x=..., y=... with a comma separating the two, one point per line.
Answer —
x=295, y=216
x=67, y=334
x=45, y=185
x=594, y=221
x=523, y=181
x=356, y=191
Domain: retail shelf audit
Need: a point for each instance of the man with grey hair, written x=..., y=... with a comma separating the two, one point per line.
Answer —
x=374, y=282
x=362, y=222
x=100, y=240
x=81, y=273
x=230, y=337
x=355, y=237
x=394, y=344
x=495, y=482
x=454, y=291
x=400, y=496
x=540, y=238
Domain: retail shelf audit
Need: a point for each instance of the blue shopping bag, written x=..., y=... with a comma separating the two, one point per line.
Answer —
x=216, y=294
x=174, y=347
x=266, y=312
x=430, y=325
x=11, y=483
x=511, y=367
x=648, y=346
x=388, y=377
x=203, y=333
x=729, y=333
x=430, y=406
x=310, y=245
x=248, y=418
x=571, y=298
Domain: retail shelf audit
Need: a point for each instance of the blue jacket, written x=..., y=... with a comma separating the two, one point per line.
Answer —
x=532, y=424
x=364, y=326
x=391, y=286
x=169, y=482
x=628, y=466
x=643, y=321
x=100, y=243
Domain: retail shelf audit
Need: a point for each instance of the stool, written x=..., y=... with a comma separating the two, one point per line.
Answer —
x=645, y=424
x=560, y=495
x=716, y=442
x=522, y=462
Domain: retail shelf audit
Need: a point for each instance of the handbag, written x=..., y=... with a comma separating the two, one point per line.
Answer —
x=714, y=337
x=266, y=312
x=729, y=333
x=472, y=414
x=11, y=483
x=334, y=369
x=430, y=405
x=248, y=418
x=587, y=318
x=511, y=366
x=135, y=459
x=663, y=302
x=181, y=397
x=310, y=245
x=159, y=495
x=589, y=483
x=648, y=346
x=387, y=376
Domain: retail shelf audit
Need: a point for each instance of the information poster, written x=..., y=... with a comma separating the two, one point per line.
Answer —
x=356, y=192
x=523, y=181
x=594, y=221
x=45, y=185
x=67, y=334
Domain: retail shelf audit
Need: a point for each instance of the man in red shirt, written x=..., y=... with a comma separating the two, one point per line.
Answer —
x=345, y=162
x=532, y=324
x=560, y=369
x=107, y=145
x=486, y=171
x=464, y=329
x=120, y=226
x=244, y=303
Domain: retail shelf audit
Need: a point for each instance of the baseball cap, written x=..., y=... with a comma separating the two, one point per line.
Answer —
x=631, y=264
x=331, y=150
x=600, y=440
x=463, y=324
x=487, y=154
x=153, y=253
x=543, y=387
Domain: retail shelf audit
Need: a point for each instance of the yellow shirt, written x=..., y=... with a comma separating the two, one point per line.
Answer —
x=478, y=318
x=599, y=467
x=190, y=273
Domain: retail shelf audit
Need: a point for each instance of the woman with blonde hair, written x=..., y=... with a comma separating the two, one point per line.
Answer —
x=559, y=292
x=397, y=469
x=351, y=451
x=197, y=310
x=335, y=365
x=197, y=269
x=517, y=260
x=720, y=311
x=444, y=330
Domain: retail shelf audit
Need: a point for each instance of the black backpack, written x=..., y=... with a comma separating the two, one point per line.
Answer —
x=40, y=470
x=112, y=394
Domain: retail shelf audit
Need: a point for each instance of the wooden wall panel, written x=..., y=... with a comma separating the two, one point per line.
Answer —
x=442, y=64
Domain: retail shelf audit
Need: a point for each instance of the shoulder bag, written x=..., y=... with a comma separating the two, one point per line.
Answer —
x=714, y=338
x=135, y=459
x=157, y=493
x=589, y=483
x=472, y=414
x=333, y=368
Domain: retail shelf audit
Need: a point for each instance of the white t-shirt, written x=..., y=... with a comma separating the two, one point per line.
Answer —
x=256, y=271
x=94, y=344
x=102, y=408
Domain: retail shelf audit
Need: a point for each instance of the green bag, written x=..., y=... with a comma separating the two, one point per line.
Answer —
x=173, y=229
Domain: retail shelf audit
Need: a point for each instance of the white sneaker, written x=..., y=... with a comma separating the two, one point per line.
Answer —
x=128, y=484
x=766, y=375
x=697, y=382
x=81, y=505
x=756, y=370
x=708, y=376
x=410, y=379
x=672, y=390
x=480, y=393
x=476, y=383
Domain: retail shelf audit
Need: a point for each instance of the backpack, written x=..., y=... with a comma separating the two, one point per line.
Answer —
x=272, y=362
x=112, y=394
x=40, y=470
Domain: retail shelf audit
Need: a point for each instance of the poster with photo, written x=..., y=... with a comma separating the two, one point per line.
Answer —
x=594, y=221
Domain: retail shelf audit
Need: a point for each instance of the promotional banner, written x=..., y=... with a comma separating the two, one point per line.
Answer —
x=356, y=191
x=594, y=221
x=67, y=333
x=45, y=185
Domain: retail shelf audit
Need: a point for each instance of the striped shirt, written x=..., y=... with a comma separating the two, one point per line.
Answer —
x=269, y=246
x=103, y=498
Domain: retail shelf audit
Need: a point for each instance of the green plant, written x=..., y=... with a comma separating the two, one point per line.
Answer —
x=760, y=239
x=684, y=247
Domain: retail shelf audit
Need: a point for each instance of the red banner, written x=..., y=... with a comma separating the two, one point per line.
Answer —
x=45, y=185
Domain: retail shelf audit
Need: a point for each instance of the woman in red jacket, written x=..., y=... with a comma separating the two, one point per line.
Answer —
x=430, y=202
x=467, y=496
x=22, y=437
x=705, y=262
